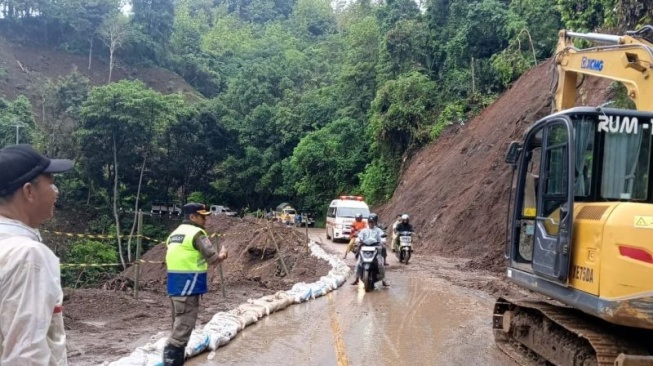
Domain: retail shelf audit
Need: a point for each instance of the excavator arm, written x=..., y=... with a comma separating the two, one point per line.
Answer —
x=627, y=59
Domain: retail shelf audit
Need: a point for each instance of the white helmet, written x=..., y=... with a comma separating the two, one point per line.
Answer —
x=404, y=217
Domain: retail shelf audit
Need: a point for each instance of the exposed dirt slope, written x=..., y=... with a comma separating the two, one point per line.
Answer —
x=456, y=190
x=26, y=69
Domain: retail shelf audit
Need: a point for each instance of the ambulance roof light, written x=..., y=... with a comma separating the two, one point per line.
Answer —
x=355, y=198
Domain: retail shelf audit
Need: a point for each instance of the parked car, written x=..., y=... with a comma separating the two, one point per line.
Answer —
x=308, y=218
x=222, y=210
x=160, y=208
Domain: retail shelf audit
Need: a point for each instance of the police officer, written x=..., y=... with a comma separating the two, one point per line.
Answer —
x=189, y=253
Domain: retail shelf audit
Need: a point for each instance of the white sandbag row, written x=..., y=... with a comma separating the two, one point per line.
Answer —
x=225, y=325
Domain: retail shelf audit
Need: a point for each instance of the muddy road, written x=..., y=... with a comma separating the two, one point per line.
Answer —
x=424, y=318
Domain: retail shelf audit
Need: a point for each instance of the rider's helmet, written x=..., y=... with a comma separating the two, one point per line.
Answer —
x=373, y=218
x=404, y=218
x=359, y=216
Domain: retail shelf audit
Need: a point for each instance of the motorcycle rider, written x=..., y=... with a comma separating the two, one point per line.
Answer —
x=394, y=229
x=371, y=234
x=358, y=225
x=404, y=225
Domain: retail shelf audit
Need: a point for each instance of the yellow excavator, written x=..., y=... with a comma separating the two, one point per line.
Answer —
x=580, y=221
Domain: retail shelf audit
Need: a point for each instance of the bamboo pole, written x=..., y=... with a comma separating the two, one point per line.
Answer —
x=283, y=263
x=139, y=240
x=222, y=282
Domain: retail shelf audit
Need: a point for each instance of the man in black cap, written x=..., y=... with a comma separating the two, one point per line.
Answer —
x=189, y=252
x=31, y=312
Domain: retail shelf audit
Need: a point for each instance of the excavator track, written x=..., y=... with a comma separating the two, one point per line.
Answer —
x=534, y=332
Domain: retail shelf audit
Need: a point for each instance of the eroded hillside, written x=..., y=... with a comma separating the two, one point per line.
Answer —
x=456, y=189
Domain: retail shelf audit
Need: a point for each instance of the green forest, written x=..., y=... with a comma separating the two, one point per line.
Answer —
x=298, y=100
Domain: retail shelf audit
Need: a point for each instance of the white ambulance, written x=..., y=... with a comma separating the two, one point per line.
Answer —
x=341, y=214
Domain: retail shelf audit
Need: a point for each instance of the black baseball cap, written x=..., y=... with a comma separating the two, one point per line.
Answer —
x=195, y=208
x=20, y=164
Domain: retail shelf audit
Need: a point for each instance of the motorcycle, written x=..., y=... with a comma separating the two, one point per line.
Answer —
x=368, y=256
x=405, y=246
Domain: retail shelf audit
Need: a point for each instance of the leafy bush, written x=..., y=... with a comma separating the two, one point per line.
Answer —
x=379, y=179
x=197, y=197
x=88, y=252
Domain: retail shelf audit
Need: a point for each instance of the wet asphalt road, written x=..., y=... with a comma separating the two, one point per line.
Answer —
x=419, y=320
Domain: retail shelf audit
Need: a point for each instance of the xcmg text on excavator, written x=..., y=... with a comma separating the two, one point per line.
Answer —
x=580, y=222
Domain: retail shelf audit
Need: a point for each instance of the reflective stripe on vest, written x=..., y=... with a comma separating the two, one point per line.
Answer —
x=186, y=266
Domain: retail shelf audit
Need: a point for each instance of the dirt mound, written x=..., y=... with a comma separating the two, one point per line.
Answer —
x=253, y=256
x=24, y=70
x=456, y=190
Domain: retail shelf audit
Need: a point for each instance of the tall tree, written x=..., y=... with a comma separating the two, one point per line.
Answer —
x=16, y=121
x=155, y=19
x=115, y=31
x=118, y=123
x=86, y=17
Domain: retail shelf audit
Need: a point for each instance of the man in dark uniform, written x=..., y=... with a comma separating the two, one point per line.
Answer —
x=189, y=252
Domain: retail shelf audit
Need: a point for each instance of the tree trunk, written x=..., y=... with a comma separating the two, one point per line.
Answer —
x=138, y=194
x=115, y=201
x=90, y=52
x=110, y=63
x=88, y=198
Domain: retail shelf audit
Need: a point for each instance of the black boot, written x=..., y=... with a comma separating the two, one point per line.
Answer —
x=173, y=356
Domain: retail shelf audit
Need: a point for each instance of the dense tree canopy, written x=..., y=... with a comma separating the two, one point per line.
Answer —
x=302, y=99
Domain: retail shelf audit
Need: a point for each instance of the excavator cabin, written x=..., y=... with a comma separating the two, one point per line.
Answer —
x=595, y=164
x=580, y=220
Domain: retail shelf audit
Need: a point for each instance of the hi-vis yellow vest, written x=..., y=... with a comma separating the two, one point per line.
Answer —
x=186, y=266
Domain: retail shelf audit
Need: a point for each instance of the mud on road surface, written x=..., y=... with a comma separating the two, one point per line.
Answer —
x=431, y=314
x=437, y=311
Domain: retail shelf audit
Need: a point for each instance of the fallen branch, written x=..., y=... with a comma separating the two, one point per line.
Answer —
x=22, y=67
x=283, y=263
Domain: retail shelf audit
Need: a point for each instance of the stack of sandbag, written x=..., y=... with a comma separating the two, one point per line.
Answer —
x=225, y=325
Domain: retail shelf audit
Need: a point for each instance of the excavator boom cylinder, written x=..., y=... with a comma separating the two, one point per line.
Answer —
x=596, y=37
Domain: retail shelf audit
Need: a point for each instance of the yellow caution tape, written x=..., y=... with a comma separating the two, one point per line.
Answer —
x=101, y=236
x=94, y=236
x=89, y=264
x=97, y=236
x=107, y=264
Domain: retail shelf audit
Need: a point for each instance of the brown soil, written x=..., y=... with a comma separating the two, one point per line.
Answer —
x=456, y=190
x=26, y=69
x=108, y=324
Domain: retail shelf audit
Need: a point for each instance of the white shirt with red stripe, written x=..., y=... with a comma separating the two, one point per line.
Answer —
x=31, y=317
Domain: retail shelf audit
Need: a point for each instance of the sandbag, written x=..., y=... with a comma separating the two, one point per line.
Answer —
x=220, y=333
x=136, y=358
x=229, y=318
x=286, y=298
x=319, y=288
x=259, y=310
x=198, y=342
x=247, y=317
x=330, y=281
x=265, y=302
x=300, y=292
